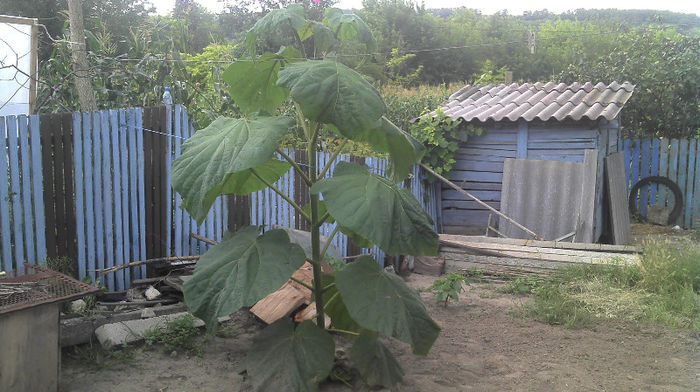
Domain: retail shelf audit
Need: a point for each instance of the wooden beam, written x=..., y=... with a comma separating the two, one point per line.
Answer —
x=488, y=207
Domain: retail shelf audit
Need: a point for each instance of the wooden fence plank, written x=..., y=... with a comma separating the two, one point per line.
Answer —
x=61, y=199
x=28, y=217
x=628, y=157
x=48, y=143
x=6, y=244
x=133, y=190
x=117, y=199
x=124, y=190
x=107, y=195
x=178, y=199
x=79, y=195
x=634, y=166
x=696, y=199
x=682, y=173
x=37, y=189
x=97, y=190
x=619, y=213
x=168, y=181
x=644, y=170
x=688, y=199
x=15, y=192
x=663, y=170
x=141, y=183
x=67, y=141
x=654, y=169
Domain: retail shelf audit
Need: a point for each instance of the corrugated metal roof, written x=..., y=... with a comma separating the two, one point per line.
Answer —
x=538, y=101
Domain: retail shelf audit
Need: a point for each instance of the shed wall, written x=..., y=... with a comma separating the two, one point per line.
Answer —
x=479, y=165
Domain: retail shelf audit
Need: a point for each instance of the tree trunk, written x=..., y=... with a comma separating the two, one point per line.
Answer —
x=81, y=71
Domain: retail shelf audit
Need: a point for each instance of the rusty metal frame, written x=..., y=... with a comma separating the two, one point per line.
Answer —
x=56, y=287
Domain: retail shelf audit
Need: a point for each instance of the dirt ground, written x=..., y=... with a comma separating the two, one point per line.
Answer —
x=483, y=347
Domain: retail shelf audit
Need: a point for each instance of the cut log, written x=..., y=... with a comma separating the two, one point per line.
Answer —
x=309, y=313
x=287, y=299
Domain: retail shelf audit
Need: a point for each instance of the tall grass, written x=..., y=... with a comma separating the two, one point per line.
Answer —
x=662, y=288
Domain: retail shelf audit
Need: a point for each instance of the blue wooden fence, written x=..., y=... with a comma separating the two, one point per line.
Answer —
x=677, y=159
x=21, y=193
x=109, y=171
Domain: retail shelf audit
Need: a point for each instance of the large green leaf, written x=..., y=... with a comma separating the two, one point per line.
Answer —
x=240, y=271
x=404, y=150
x=227, y=146
x=335, y=308
x=253, y=83
x=292, y=16
x=286, y=359
x=374, y=361
x=323, y=36
x=378, y=210
x=330, y=92
x=348, y=26
x=383, y=303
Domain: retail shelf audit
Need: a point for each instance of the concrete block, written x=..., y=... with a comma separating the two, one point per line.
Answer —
x=131, y=331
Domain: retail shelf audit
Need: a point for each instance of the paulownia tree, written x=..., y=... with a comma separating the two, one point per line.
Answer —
x=238, y=156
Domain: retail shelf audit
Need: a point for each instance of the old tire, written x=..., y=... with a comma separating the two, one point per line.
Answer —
x=672, y=186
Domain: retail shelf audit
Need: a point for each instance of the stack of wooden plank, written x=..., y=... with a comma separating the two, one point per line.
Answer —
x=509, y=255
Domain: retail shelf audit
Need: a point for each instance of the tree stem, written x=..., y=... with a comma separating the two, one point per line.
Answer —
x=343, y=331
x=301, y=283
x=315, y=231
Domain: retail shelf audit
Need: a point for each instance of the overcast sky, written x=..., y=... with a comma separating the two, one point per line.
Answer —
x=514, y=7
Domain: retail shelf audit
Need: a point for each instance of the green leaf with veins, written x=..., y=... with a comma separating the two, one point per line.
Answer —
x=240, y=271
x=335, y=308
x=212, y=159
x=283, y=358
x=378, y=210
x=253, y=84
x=330, y=92
x=323, y=37
x=374, y=361
x=292, y=16
x=348, y=26
x=383, y=303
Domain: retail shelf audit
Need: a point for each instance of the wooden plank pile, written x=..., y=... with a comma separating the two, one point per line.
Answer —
x=520, y=256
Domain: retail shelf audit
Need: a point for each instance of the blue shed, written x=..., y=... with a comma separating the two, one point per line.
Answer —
x=533, y=121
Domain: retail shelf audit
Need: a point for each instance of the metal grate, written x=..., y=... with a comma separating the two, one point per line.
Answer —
x=37, y=287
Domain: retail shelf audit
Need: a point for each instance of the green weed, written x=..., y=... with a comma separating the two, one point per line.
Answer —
x=99, y=358
x=449, y=287
x=179, y=333
x=662, y=288
x=522, y=285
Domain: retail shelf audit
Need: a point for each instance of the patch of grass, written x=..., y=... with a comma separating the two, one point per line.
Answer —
x=663, y=288
x=179, y=333
x=98, y=358
x=521, y=285
x=448, y=287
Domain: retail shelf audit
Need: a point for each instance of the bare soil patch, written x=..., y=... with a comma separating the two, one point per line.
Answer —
x=484, y=346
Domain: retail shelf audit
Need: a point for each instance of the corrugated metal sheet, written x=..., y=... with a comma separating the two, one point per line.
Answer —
x=538, y=101
x=544, y=196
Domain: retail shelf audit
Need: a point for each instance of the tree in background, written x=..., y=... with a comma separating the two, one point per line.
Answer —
x=665, y=67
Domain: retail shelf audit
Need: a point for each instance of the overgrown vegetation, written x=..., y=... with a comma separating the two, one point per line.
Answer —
x=97, y=358
x=448, y=287
x=664, y=288
x=133, y=53
x=179, y=333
